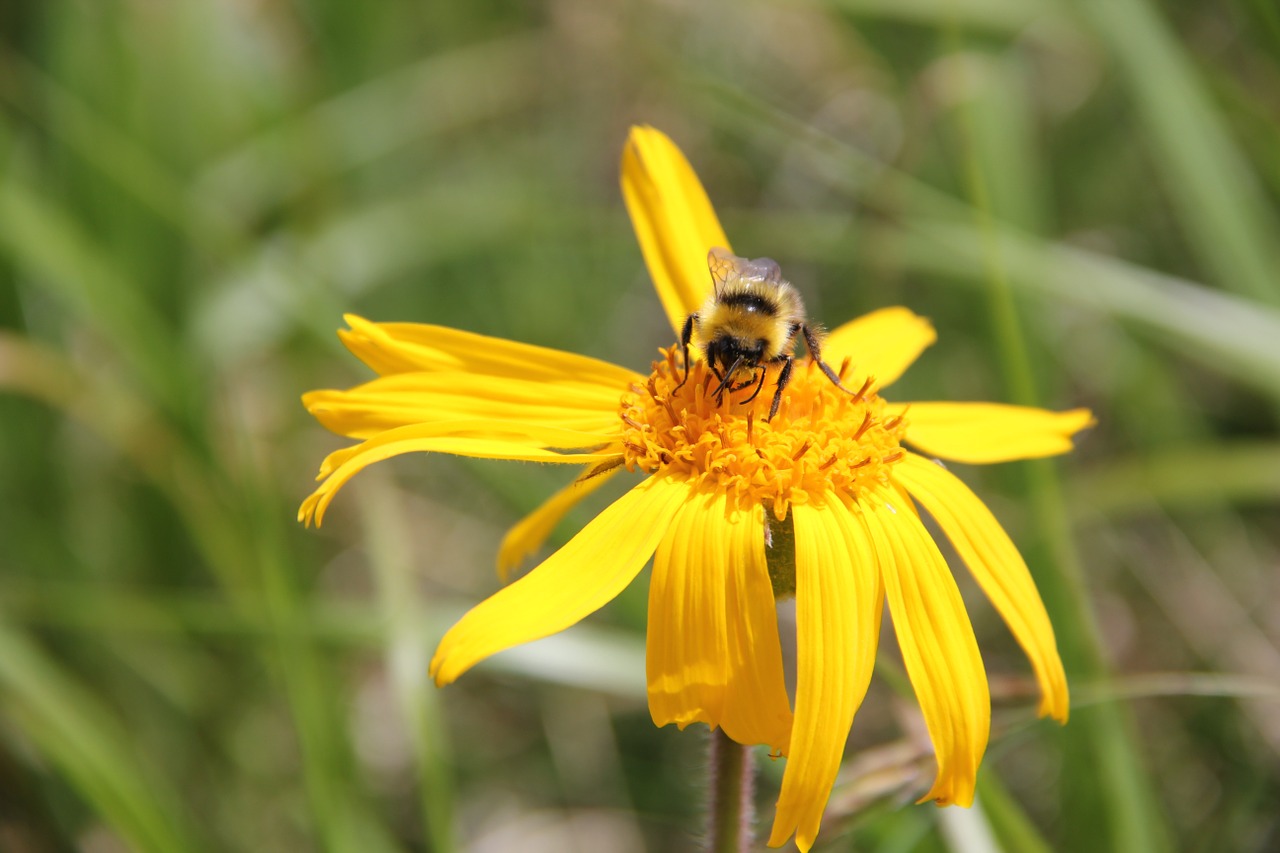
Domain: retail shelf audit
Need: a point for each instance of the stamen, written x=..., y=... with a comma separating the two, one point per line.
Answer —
x=687, y=428
x=866, y=422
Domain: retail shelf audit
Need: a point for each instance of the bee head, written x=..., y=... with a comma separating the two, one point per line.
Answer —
x=730, y=353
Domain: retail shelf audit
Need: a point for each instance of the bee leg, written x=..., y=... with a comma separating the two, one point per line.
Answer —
x=726, y=379
x=815, y=352
x=685, y=337
x=759, y=385
x=783, y=378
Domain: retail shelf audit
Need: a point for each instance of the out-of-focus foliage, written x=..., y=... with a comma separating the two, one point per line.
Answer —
x=1082, y=196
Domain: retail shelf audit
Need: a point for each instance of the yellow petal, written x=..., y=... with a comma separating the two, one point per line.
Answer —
x=411, y=398
x=713, y=654
x=990, y=432
x=531, y=531
x=938, y=646
x=674, y=221
x=757, y=709
x=882, y=344
x=998, y=568
x=413, y=347
x=483, y=439
x=838, y=606
x=580, y=578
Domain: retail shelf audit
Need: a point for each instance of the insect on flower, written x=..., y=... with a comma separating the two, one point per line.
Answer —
x=750, y=321
x=850, y=472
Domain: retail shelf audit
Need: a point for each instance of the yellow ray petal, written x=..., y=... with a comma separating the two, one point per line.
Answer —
x=713, y=654
x=531, y=531
x=990, y=432
x=674, y=221
x=882, y=344
x=838, y=606
x=410, y=347
x=685, y=650
x=410, y=398
x=756, y=706
x=998, y=568
x=580, y=578
x=483, y=439
x=938, y=646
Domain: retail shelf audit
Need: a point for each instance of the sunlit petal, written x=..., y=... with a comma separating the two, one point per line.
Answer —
x=414, y=398
x=580, y=578
x=482, y=439
x=998, y=568
x=757, y=709
x=673, y=220
x=838, y=606
x=990, y=432
x=882, y=344
x=530, y=532
x=938, y=646
x=713, y=654
x=418, y=347
x=686, y=653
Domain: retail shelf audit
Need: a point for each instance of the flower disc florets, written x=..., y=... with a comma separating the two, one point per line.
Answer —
x=823, y=440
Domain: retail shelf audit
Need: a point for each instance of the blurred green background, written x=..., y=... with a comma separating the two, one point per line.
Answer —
x=1081, y=195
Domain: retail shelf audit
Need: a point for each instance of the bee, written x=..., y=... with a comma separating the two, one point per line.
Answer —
x=750, y=321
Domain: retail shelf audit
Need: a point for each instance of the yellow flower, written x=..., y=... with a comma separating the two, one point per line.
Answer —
x=836, y=465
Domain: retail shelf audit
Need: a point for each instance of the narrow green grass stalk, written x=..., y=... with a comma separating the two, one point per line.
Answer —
x=1133, y=823
x=89, y=745
x=342, y=821
x=1225, y=217
x=731, y=780
x=406, y=641
x=1010, y=823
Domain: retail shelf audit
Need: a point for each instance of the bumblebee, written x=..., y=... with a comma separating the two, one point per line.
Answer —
x=751, y=321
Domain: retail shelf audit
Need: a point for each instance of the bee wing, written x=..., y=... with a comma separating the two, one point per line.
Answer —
x=724, y=265
x=762, y=269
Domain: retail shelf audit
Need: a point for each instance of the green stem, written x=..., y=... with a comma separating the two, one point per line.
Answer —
x=732, y=785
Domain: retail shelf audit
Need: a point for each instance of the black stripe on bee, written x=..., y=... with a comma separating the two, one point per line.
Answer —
x=749, y=302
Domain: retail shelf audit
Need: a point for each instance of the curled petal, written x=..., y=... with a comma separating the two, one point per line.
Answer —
x=998, y=568
x=882, y=344
x=990, y=432
x=838, y=606
x=588, y=572
x=531, y=531
x=480, y=438
x=673, y=220
x=938, y=646
x=713, y=654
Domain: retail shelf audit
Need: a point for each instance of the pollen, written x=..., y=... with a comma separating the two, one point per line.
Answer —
x=823, y=439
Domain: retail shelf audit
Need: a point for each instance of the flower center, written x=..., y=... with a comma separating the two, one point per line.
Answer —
x=822, y=440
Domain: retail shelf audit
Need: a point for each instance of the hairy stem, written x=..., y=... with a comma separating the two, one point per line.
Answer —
x=731, y=781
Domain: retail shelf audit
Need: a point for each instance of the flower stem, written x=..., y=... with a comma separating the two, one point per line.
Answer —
x=731, y=780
